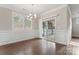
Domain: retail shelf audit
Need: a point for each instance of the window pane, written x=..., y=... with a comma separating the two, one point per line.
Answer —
x=17, y=21
x=27, y=23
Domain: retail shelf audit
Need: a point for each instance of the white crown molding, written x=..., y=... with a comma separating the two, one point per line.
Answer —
x=52, y=10
x=13, y=9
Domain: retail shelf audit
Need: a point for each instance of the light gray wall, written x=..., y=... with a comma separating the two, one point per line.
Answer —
x=5, y=19
x=35, y=26
x=75, y=16
x=75, y=27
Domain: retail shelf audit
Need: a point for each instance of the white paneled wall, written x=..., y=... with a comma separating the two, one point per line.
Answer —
x=7, y=37
x=63, y=24
x=60, y=36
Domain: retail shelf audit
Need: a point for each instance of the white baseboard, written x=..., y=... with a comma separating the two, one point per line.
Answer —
x=75, y=35
x=13, y=41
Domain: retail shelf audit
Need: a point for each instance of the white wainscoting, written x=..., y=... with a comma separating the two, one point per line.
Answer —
x=7, y=37
x=60, y=37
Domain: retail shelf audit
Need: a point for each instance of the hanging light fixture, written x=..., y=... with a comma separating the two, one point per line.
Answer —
x=32, y=14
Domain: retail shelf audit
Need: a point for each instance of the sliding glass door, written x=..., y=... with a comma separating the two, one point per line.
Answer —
x=49, y=29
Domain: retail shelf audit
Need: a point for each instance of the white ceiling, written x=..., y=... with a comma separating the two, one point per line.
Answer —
x=26, y=8
x=74, y=8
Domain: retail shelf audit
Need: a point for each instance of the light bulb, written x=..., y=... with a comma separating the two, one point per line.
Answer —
x=30, y=14
x=35, y=15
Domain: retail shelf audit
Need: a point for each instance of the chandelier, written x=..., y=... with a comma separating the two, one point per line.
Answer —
x=31, y=15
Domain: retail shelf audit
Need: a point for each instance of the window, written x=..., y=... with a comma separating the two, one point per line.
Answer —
x=77, y=20
x=20, y=22
x=27, y=23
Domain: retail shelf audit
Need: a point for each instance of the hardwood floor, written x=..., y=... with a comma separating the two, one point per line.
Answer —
x=39, y=47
